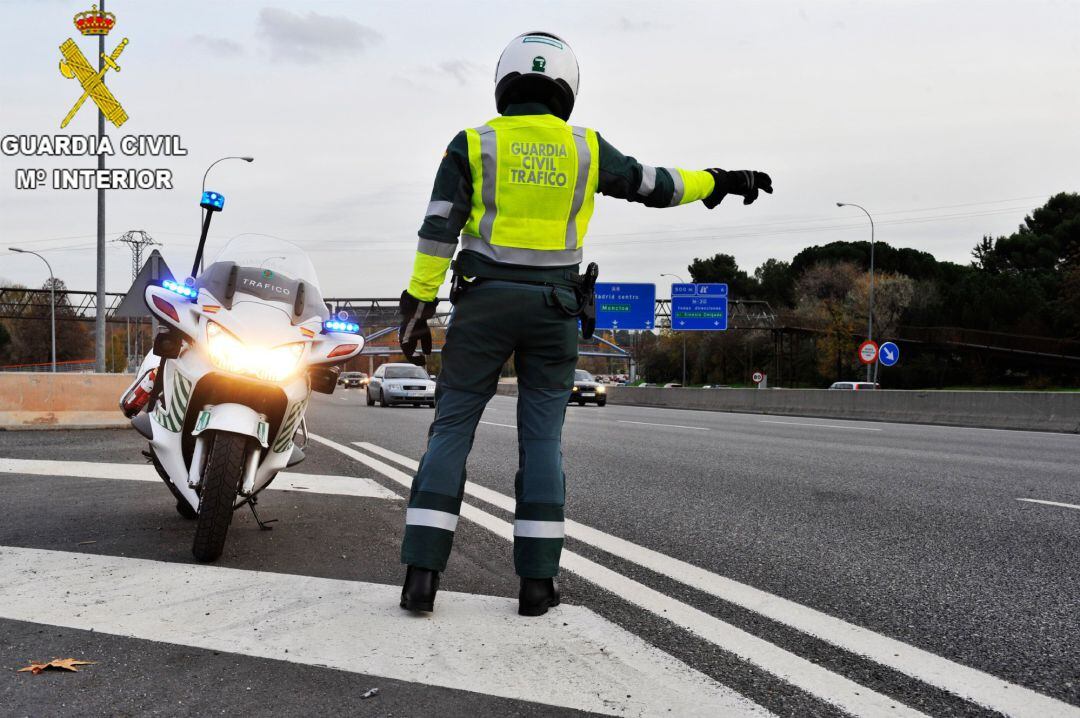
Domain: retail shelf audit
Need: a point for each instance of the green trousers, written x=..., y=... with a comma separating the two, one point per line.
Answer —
x=491, y=322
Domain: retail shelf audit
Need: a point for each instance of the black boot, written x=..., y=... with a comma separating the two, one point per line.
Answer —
x=537, y=595
x=418, y=594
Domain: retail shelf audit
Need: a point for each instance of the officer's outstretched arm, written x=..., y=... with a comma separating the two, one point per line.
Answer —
x=624, y=177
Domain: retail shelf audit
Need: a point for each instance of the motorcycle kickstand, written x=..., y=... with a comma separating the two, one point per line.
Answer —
x=263, y=525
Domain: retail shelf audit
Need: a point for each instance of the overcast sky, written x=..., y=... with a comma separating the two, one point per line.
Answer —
x=947, y=120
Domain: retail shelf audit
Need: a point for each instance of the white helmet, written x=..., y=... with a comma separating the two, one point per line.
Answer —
x=538, y=67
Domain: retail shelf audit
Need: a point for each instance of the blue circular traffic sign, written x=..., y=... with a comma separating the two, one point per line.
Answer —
x=888, y=354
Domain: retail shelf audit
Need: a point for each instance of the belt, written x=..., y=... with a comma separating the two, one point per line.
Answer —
x=466, y=264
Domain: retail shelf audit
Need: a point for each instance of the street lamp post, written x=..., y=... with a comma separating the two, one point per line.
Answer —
x=202, y=213
x=52, y=298
x=681, y=281
x=870, y=313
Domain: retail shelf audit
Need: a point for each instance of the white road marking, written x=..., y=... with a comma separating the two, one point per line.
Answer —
x=968, y=683
x=1051, y=503
x=492, y=423
x=286, y=480
x=673, y=426
x=830, y=687
x=823, y=426
x=474, y=643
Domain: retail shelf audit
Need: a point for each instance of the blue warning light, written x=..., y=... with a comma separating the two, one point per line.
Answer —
x=213, y=201
x=182, y=290
x=335, y=325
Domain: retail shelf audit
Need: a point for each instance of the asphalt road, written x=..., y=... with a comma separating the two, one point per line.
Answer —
x=724, y=563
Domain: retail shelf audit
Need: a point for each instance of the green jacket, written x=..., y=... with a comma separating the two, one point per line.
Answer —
x=620, y=176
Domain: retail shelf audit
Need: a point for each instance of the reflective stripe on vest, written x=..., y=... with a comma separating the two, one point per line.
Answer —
x=534, y=185
x=680, y=188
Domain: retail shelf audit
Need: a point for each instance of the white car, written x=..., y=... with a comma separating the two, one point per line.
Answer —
x=394, y=384
x=854, y=386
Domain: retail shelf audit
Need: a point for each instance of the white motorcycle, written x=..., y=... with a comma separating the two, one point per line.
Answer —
x=246, y=343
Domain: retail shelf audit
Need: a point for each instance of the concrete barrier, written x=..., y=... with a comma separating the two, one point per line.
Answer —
x=61, y=401
x=1025, y=410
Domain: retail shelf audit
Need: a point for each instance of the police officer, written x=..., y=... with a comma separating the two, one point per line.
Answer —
x=519, y=192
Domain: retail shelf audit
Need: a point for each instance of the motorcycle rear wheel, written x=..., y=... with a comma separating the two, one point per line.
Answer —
x=217, y=493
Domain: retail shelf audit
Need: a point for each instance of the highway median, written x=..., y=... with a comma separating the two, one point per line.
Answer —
x=39, y=400
x=1020, y=410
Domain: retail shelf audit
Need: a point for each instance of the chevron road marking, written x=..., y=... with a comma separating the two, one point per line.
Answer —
x=475, y=643
x=968, y=683
x=286, y=480
x=856, y=699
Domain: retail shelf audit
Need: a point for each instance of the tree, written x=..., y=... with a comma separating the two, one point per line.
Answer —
x=835, y=299
x=1046, y=239
x=823, y=301
x=776, y=283
x=723, y=268
x=5, y=343
x=1027, y=277
x=911, y=262
x=32, y=334
x=893, y=294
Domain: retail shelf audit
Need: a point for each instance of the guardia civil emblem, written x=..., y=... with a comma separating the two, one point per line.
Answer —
x=539, y=63
x=93, y=23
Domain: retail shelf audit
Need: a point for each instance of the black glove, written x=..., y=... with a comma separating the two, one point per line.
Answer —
x=744, y=183
x=414, y=328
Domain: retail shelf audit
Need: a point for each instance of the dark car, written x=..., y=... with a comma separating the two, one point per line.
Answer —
x=352, y=379
x=587, y=389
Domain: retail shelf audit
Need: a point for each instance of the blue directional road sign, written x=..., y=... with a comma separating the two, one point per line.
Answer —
x=699, y=307
x=625, y=306
x=888, y=354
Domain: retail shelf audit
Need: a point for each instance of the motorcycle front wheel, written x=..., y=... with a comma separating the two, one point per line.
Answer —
x=217, y=493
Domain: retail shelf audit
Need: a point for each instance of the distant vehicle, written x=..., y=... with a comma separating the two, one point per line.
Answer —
x=673, y=385
x=352, y=379
x=394, y=384
x=854, y=386
x=587, y=389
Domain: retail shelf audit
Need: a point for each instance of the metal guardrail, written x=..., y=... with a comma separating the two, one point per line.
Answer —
x=76, y=366
x=993, y=341
x=17, y=303
x=376, y=313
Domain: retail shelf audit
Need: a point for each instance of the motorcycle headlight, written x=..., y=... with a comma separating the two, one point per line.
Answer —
x=230, y=354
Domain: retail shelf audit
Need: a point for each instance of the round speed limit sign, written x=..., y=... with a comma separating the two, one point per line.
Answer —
x=868, y=352
x=757, y=377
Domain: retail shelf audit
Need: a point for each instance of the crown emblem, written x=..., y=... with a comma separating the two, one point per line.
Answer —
x=94, y=21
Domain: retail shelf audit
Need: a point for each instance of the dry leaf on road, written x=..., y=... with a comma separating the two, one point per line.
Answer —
x=66, y=664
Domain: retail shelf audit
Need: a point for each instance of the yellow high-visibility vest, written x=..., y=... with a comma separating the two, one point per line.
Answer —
x=534, y=183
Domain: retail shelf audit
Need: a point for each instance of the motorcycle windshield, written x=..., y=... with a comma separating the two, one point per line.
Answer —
x=267, y=268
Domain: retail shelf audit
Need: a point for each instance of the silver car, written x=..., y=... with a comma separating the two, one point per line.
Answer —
x=394, y=384
x=854, y=386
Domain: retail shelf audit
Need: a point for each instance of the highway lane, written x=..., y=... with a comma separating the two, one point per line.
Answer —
x=780, y=557
x=100, y=568
x=914, y=532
